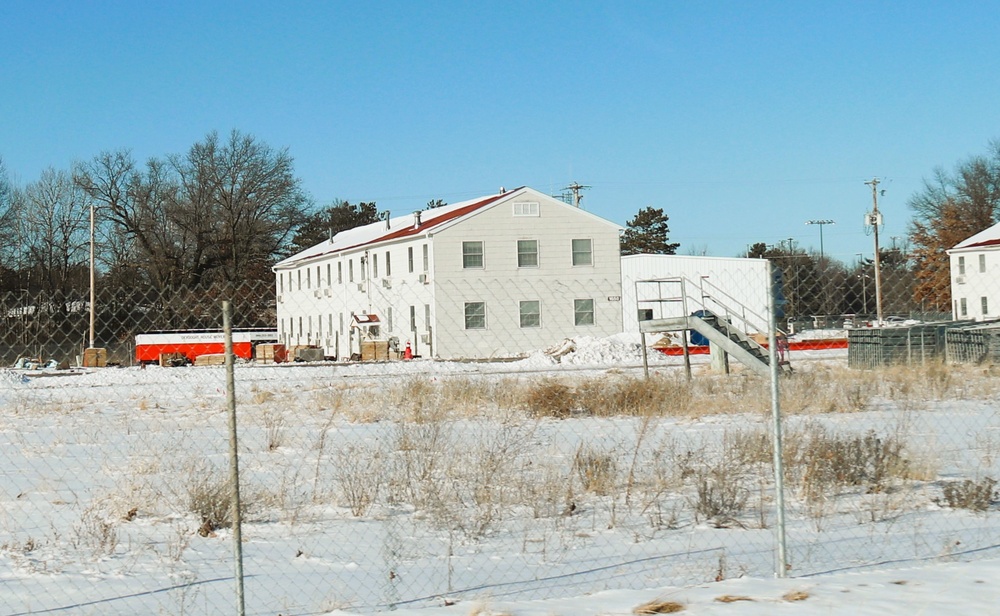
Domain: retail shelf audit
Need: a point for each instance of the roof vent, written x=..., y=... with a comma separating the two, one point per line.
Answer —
x=502, y=190
x=416, y=220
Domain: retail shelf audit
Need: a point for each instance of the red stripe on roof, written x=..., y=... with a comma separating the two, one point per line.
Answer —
x=995, y=242
x=430, y=224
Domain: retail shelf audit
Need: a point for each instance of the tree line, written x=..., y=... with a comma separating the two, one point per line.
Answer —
x=228, y=208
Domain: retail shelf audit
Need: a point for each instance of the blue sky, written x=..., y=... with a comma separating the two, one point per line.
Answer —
x=741, y=120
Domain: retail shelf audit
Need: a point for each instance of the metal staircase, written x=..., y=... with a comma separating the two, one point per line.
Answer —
x=719, y=329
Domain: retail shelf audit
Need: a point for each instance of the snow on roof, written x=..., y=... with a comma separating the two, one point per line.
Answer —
x=987, y=237
x=398, y=227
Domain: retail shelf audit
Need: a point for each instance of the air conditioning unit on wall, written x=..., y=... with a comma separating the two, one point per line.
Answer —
x=959, y=279
x=422, y=278
x=386, y=283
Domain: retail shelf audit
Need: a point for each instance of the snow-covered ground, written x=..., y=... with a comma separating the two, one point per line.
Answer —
x=479, y=507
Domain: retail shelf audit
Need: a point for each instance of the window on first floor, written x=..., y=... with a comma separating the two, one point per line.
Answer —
x=985, y=305
x=413, y=318
x=388, y=318
x=530, y=313
x=475, y=315
x=963, y=309
x=583, y=311
x=583, y=252
x=427, y=317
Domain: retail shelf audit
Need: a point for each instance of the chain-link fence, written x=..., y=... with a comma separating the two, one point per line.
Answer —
x=384, y=462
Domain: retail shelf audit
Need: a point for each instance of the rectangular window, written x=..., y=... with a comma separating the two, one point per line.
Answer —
x=329, y=279
x=409, y=258
x=330, y=329
x=298, y=274
x=427, y=259
x=961, y=266
x=388, y=264
x=319, y=279
x=982, y=263
x=308, y=278
x=583, y=253
x=963, y=308
x=527, y=253
x=531, y=313
x=583, y=311
x=350, y=271
x=364, y=266
x=413, y=318
x=472, y=255
x=475, y=315
x=375, y=266
x=340, y=272
x=984, y=305
x=526, y=209
x=427, y=317
x=388, y=318
x=341, y=323
x=281, y=283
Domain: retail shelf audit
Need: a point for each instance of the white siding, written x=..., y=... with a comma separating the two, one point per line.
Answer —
x=501, y=284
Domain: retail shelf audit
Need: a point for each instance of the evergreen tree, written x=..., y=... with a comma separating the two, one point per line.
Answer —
x=647, y=233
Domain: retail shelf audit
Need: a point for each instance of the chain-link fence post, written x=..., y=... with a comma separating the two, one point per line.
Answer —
x=234, y=463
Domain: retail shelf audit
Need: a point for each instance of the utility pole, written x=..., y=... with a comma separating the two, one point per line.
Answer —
x=575, y=188
x=875, y=219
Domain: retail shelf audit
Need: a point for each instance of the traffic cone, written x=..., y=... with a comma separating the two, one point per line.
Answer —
x=407, y=352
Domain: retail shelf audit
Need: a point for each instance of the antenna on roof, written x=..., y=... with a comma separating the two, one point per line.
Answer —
x=575, y=188
x=384, y=215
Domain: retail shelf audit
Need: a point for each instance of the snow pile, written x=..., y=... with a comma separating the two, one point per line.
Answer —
x=623, y=349
x=11, y=378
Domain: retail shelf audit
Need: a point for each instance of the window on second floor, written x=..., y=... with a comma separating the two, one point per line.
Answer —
x=961, y=266
x=982, y=263
x=472, y=255
x=527, y=253
x=583, y=252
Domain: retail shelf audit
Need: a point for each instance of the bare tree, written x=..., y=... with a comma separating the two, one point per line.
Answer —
x=224, y=211
x=55, y=214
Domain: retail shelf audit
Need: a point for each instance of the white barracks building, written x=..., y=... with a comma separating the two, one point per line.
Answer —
x=975, y=276
x=497, y=276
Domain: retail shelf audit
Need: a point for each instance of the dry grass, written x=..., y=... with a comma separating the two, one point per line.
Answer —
x=733, y=598
x=658, y=606
x=795, y=595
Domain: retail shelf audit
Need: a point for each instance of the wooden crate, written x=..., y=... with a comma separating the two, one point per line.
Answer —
x=95, y=358
x=211, y=359
x=271, y=353
x=374, y=350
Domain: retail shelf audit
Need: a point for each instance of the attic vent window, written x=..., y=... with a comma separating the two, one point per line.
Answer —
x=526, y=209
